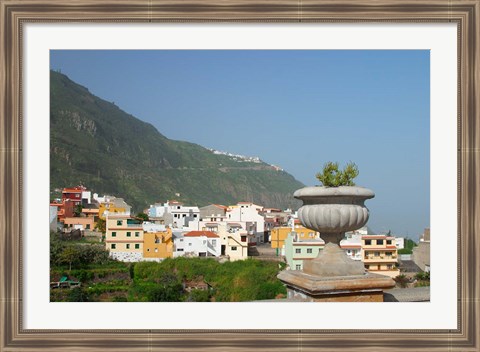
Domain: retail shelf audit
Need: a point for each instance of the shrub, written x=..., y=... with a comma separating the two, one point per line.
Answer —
x=77, y=294
x=402, y=281
x=331, y=176
x=198, y=296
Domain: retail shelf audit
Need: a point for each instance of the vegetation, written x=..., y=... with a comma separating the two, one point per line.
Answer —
x=142, y=216
x=110, y=151
x=246, y=280
x=173, y=280
x=332, y=176
x=408, y=247
x=101, y=225
x=402, y=281
x=422, y=279
x=78, y=210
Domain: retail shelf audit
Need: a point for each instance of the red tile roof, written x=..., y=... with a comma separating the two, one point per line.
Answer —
x=200, y=233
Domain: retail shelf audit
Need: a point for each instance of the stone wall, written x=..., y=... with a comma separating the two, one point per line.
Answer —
x=421, y=255
x=127, y=256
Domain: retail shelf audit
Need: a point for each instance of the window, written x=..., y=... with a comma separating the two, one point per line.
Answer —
x=88, y=227
x=298, y=250
x=309, y=250
x=178, y=207
x=376, y=254
x=379, y=241
x=114, y=234
x=129, y=234
x=190, y=244
x=368, y=242
x=179, y=249
x=181, y=239
x=214, y=242
x=156, y=250
x=389, y=266
x=137, y=234
x=148, y=249
x=137, y=245
x=175, y=215
x=113, y=246
x=194, y=215
x=389, y=241
x=128, y=245
x=367, y=266
x=298, y=267
x=349, y=251
x=184, y=215
x=389, y=254
x=119, y=222
x=234, y=248
x=310, y=234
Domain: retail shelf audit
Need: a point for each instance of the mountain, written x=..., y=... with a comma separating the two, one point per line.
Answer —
x=94, y=143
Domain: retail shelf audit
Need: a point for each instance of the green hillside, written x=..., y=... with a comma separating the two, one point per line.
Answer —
x=94, y=143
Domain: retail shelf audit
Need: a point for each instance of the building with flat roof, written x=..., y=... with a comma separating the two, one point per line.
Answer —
x=298, y=250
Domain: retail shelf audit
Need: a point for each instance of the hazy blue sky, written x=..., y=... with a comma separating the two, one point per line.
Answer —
x=294, y=109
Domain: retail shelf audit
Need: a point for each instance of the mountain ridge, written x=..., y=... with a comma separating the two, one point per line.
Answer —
x=95, y=143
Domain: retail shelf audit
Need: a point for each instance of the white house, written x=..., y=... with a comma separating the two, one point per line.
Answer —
x=352, y=245
x=175, y=214
x=249, y=212
x=400, y=242
x=197, y=243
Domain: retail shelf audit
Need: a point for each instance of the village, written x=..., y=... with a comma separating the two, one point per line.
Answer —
x=227, y=233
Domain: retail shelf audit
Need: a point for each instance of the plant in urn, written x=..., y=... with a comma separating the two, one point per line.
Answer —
x=333, y=209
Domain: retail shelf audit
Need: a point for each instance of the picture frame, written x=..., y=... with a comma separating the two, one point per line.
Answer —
x=15, y=14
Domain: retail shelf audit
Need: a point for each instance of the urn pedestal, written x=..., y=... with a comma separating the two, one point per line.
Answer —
x=332, y=275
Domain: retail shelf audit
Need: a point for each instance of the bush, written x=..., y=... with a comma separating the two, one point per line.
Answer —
x=83, y=275
x=198, y=296
x=77, y=294
x=402, y=281
x=331, y=176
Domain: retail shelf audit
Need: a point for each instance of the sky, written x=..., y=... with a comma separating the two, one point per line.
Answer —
x=296, y=109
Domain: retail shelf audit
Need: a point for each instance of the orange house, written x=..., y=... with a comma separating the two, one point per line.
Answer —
x=158, y=245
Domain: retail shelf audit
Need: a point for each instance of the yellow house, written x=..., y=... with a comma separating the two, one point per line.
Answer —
x=124, y=238
x=113, y=205
x=380, y=254
x=279, y=234
x=158, y=245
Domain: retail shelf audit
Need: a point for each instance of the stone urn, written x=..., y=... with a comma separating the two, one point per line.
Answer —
x=332, y=211
x=332, y=276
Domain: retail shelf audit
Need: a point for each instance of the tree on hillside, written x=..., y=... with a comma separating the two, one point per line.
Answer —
x=69, y=255
x=168, y=289
x=101, y=225
x=142, y=216
x=77, y=211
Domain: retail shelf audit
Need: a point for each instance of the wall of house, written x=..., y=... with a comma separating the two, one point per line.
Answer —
x=158, y=244
x=249, y=212
x=235, y=248
x=112, y=209
x=86, y=223
x=121, y=237
x=421, y=255
x=279, y=234
x=127, y=256
x=212, y=210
